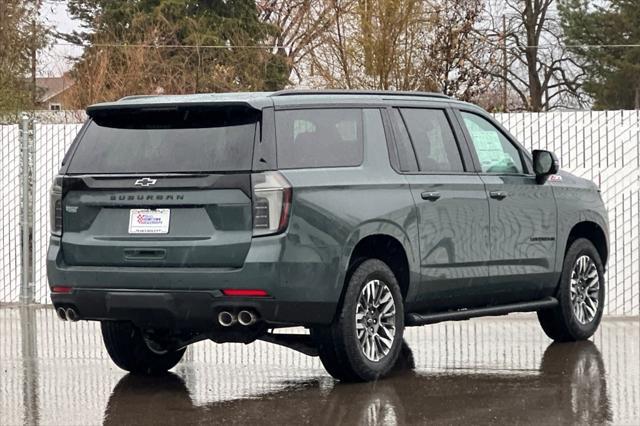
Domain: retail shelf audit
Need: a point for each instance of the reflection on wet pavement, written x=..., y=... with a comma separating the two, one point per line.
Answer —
x=502, y=371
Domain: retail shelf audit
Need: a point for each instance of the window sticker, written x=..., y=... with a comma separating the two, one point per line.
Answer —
x=488, y=147
x=491, y=147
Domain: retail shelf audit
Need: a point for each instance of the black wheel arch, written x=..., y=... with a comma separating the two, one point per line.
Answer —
x=387, y=249
x=593, y=232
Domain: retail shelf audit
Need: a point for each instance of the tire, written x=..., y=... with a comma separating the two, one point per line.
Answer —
x=562, y=323
x=339, y=347
x=128, y=350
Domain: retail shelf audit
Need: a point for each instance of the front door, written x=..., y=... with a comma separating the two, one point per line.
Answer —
x=452, y=209
x=523, y=214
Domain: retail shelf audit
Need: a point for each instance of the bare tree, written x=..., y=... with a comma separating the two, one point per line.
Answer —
x=455, y=47
x=400, y=44
x=299, y=25
x=525, y=51
x=22, y=36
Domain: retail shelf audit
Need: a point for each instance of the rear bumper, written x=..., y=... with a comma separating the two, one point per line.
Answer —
x=194, y=310
x=192, y=297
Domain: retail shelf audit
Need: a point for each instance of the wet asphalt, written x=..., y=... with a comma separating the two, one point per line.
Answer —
x=486, y=371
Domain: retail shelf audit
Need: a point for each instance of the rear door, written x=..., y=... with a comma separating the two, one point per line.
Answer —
x=523, y=213
x=165, y=187
x=452, y=207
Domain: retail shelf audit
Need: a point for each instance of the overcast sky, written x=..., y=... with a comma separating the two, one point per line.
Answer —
x=53, y=61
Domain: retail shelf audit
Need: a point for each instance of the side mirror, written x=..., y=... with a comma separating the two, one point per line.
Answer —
x=545, y=163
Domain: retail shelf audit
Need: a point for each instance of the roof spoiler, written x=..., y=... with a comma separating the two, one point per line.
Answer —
x=160, y=106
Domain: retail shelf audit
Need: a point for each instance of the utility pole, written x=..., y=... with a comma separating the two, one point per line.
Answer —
x=35, y=42
x=505, y=74
x=34, y=54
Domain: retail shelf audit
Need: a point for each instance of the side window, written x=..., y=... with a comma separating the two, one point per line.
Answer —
x=319, y=138
x=495, y=152
x=433, y=140
x=406, y=154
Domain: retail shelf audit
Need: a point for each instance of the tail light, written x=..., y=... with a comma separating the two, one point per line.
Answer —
x=55, y=207
x=244, y=292
x=271, y=203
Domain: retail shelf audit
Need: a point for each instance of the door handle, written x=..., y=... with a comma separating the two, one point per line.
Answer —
x=431, y=196
x=498, y=195
x=144, y=254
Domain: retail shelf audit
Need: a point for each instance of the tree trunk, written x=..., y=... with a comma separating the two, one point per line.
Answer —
x=535, y=87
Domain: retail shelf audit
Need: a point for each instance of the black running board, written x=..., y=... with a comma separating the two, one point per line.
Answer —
x=461, y=315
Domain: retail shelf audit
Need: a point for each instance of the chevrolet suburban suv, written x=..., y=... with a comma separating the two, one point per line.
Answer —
x=230, y=217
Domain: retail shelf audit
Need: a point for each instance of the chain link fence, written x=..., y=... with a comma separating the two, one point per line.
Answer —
x=10, y=268
x=601, y=146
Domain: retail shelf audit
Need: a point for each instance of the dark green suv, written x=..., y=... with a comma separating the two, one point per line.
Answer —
x=354, y=214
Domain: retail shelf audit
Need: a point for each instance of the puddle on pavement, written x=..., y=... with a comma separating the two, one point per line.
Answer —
x=475, y=372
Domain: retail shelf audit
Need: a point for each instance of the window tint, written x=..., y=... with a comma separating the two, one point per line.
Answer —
x=433, y=140
x=406, y=154
x=194, y=139
x=319, y=138
x=374, y=129
x=495, y=152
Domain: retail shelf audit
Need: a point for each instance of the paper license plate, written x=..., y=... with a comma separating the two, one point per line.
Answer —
x=147, y=221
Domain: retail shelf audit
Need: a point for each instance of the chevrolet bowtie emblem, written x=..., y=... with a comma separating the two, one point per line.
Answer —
x=145, y=182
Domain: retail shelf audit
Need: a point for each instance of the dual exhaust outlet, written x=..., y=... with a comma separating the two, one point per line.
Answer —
x=244, y=318
x=225, y=318
x=67, y=314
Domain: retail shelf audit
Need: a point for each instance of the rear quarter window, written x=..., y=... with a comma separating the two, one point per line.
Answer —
x=319, y=138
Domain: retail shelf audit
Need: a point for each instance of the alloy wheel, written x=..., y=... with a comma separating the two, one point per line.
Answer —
x=585, y=289
x=375, y=320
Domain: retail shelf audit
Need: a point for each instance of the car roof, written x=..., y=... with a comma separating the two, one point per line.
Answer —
x=283, y=98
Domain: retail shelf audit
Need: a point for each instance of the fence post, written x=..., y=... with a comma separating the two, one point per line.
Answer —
x=26, y=209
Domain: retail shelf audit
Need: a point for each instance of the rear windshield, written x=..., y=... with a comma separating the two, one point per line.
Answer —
x=179, y=139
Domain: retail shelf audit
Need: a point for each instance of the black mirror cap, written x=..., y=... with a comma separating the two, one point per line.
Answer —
x=545, y=163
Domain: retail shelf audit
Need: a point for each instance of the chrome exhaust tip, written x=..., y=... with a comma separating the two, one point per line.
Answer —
x=62, y=314
x=72, y=315
x=247, y=318
x=226, y=319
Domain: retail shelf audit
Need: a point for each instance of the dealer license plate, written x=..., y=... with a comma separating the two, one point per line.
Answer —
x=147, y=221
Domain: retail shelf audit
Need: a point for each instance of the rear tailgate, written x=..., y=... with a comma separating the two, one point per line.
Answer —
x=161, y=187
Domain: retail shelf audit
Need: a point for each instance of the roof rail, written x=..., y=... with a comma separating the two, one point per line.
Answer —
x=292, y=92
x=128, y=98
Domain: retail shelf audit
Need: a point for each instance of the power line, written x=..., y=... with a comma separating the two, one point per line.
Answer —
x=604, y=46
x=175, y=46
x=276, y=46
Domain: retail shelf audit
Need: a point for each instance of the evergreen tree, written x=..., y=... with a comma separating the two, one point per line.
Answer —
x=172, y=46
x=613, y=69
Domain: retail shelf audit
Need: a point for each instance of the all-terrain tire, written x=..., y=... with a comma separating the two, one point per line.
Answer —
x=128, y=350
x=561, y=322
x=338, y=345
